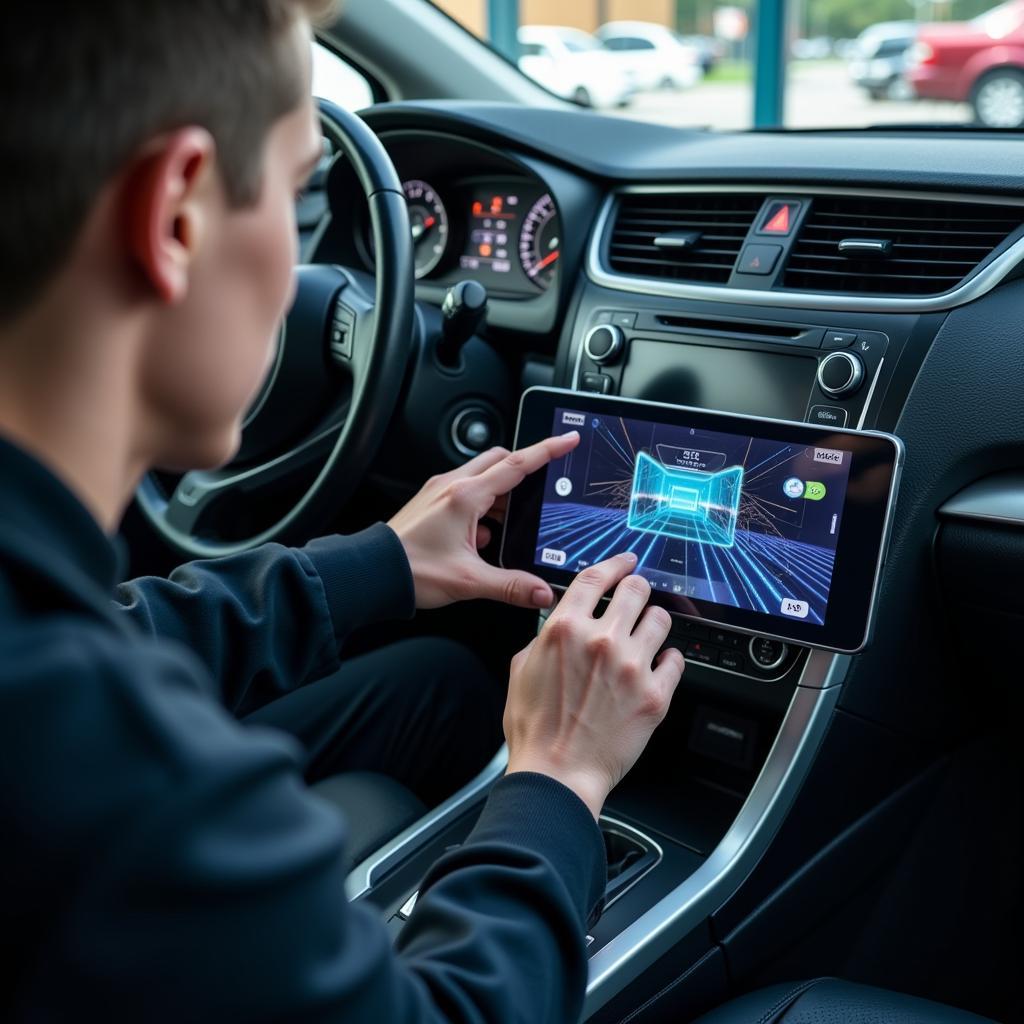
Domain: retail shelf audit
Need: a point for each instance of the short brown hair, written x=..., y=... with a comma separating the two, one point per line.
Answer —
x=85, y=84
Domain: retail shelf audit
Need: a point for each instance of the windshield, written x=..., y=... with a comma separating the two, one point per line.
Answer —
x=845, y=63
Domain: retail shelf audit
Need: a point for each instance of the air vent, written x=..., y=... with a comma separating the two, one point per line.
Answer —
x=921, y=247
x=700, y=235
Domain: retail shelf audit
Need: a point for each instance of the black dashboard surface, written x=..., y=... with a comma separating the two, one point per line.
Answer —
x=950, y=161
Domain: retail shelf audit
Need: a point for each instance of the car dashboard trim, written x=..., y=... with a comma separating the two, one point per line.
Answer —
x=980, y=283
x=653, y=934
x=995, y=499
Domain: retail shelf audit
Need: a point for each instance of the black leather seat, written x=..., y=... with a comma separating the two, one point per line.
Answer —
x=376, y=808
x=831, y=1001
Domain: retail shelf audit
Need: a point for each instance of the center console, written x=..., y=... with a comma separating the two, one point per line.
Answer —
x=687, y=828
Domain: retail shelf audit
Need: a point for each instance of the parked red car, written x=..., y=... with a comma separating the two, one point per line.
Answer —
x=980, y=62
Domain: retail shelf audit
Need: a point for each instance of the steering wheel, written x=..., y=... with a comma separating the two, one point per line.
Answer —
x=341, y=360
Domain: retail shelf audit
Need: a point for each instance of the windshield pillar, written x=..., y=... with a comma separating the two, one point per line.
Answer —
x=770, y=63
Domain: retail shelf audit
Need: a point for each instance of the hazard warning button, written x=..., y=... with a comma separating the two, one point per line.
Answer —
x=759, y=259
x=780, y=218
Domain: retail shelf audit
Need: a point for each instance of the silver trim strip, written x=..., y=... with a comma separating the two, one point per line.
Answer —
x=982, y=282
x=995, y=499
x=871, y=394
x=363, y=875
x=654, y=933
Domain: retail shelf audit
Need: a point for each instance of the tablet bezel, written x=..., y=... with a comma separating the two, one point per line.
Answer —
x=870, y=498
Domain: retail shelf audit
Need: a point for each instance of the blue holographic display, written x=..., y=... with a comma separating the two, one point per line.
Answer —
x=686, y=503
x=713, y=516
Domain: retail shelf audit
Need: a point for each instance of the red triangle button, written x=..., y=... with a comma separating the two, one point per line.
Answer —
x=778, y=223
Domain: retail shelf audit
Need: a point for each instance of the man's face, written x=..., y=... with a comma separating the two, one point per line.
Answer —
x=211, y=351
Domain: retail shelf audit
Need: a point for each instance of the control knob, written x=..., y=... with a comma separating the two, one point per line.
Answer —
x=603, y=343
x=840, y=374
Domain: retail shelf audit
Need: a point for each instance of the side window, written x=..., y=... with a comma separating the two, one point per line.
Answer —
x=335, y=80
x=532, y=50
x=636, y=44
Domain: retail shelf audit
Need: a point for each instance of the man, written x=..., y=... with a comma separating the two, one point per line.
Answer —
x=161, y=861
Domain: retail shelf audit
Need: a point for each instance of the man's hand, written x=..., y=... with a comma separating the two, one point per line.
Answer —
x=442, y=533
x=583, y=697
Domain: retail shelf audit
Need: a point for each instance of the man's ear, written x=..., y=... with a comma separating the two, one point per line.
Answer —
x=165, y=210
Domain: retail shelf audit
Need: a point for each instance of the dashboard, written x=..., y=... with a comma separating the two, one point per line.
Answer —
x=573, y=222
x=868, y=280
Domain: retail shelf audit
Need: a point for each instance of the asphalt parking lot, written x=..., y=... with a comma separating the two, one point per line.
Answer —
x=819, y=94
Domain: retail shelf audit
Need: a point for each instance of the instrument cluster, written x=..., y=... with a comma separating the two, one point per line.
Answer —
x=504, y=233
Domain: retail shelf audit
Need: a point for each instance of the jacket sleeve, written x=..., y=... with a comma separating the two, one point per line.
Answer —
x=268, y=620
x=216, y=889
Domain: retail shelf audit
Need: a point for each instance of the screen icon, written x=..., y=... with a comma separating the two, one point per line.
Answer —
x=573, y=419
x=563, y=487
x=795, y=609
x=830, y=456
x=793, y=487
x=552, y=556
x=814, y=491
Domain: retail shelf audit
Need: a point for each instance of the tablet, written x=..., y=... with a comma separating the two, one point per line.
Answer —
x=764, y=526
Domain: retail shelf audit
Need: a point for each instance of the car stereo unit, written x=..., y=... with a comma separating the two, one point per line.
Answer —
x=765, y=526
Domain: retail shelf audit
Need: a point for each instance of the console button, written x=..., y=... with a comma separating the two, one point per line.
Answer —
x=724, y=638
x=840, y=374
x=733, y=661
x=692, y=630
x=759, y=259
x=766, y=653
x=701, y=653
x=838, y=339
x=624, y=320
x=600, y=383
x=723, y=736
x=828, y=416
x=603, y=343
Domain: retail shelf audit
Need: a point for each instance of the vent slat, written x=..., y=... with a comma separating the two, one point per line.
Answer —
x=723, y=221
x=936, y=243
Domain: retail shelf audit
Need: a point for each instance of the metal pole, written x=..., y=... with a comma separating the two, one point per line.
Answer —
x=770, y=63
x=502, y=26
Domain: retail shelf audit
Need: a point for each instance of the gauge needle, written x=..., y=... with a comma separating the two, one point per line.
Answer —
x=550, y=258
x=419, y=230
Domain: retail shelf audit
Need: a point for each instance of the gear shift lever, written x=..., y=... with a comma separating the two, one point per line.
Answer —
x=464, y=309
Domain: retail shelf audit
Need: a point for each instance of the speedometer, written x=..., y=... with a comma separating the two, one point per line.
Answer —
x=540, y=242
x=429, y=222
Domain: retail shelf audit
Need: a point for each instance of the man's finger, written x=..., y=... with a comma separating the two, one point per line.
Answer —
x=514, y=468
x=652, y=631
x=668, y=669
x=479, y=463
x=511, y=586
x=593, y=583
x=627, y=603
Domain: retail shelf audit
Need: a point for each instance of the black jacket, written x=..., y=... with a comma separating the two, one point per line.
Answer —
x=162, y=862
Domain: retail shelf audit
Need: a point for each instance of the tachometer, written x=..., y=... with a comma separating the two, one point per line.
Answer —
x=540, y=242
x=429, y=222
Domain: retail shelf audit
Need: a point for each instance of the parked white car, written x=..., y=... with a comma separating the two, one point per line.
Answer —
x=573, y=64
x=654, y=53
